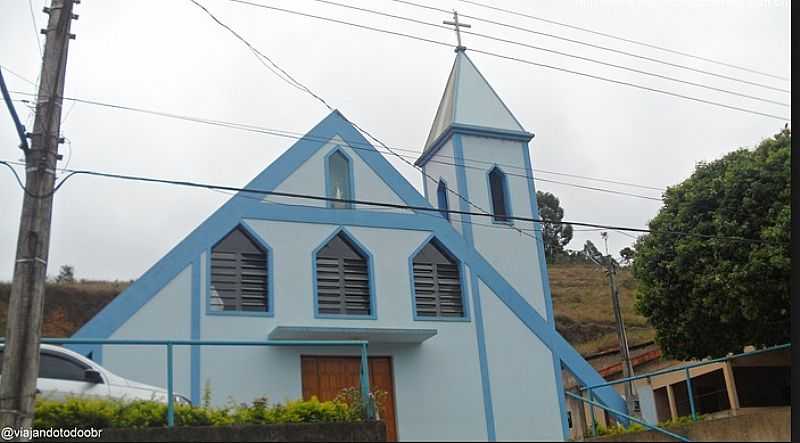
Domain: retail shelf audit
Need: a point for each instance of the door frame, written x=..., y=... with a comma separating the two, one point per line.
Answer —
x=356, y=357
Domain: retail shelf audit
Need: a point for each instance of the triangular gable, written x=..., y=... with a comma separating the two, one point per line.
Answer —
x=470, y=100
x=229, y=215
x=336, y=127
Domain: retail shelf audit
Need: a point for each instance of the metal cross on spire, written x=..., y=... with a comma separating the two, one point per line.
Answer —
x=457, y=26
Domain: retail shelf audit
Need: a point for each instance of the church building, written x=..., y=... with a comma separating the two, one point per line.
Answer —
x=455, y=306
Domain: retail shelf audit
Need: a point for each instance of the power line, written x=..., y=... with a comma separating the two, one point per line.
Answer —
x=517, y=59
x=566, y=54
x=627, y=40
x=591, y=45
x=633, y=85
x=369, y=148
x=354, y=144
x=470, y=222
x=355, y=125
x=193, y=184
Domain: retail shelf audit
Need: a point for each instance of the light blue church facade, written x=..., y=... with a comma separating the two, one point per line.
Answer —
x=457, y=306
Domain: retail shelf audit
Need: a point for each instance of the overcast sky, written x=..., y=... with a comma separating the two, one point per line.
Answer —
x=169, y=56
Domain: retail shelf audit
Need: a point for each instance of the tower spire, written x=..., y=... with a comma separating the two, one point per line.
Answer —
x=457, y=26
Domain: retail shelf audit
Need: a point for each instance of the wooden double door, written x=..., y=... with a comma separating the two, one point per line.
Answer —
x=325, y=377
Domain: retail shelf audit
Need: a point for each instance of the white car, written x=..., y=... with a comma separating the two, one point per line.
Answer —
x=64, y=373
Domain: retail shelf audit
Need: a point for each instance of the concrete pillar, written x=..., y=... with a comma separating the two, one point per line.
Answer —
x=730, y=385
x=673, y=408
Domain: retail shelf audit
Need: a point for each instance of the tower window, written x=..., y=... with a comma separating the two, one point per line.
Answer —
x=342, y=279
x=239, y=277
x=441, y=196
x=498, y=188
x=437, y=283
x=339, y=180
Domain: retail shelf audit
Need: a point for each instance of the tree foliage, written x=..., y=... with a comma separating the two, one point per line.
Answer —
x=66, y=274
x=627, y=253
x=711, y=296
x=555, y=235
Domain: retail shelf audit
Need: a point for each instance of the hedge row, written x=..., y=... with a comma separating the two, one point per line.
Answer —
x=100, y=413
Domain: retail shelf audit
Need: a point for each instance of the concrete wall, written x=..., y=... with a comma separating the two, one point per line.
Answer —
x=313, y=432
x=769, y=425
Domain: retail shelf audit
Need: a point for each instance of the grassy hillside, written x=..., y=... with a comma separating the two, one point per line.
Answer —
x=67, y=306
x=583, y=310
x=580, y=298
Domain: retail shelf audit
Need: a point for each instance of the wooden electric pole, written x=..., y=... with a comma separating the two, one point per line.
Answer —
x=622, y=336
x=25, y=311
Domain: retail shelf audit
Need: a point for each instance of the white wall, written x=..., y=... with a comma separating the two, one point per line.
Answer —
x=441, y=166
x=166, y=316
x=526, y=404
x=437, y=384
x=513, y=254
x=310, y=178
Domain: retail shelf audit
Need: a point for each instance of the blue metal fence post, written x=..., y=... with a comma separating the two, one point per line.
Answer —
x=170, y=394
x=690, y=393
x=365, y=382
x=591, y=408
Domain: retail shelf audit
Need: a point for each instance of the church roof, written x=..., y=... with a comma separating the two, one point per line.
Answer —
x=469, y=100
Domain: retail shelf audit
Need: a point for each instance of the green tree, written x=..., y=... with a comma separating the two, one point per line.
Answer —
x=590, y=250
x=66, y=274
x=555, y=235
x=708, y=296
x=627, y=253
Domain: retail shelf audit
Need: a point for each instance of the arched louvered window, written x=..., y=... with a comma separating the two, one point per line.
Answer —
x=343, y=279
x=498, y=190
x=437, y=283
x=441, y=196
x=339, y=179
x=239, y=275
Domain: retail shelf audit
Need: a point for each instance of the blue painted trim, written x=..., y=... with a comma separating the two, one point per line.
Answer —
x=373, y=307
x=506, y=196
x=195, y=330
x=466, y=228
x=253, y=235
x=114, y=315
x=478, y=131
x=545, y=278
x=441, y=197
x=462, y=274
x=23, y=139
x=351, y=178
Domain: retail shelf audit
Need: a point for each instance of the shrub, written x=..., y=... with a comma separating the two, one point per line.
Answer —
x=101, y=413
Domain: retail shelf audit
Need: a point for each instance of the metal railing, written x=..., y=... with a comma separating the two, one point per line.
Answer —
x=619, y=414
x=685, y=368
x=171, y=344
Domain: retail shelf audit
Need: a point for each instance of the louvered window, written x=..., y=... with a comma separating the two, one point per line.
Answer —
x=239, y=277
x=342, y=279
x=437, y=283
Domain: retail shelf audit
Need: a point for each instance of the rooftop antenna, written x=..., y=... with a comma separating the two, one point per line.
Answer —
x=457, y=26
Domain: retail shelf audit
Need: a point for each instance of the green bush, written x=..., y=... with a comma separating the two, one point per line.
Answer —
x=101, y=413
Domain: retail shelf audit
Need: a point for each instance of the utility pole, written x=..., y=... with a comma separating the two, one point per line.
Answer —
x=627, y=367
x=25, y=311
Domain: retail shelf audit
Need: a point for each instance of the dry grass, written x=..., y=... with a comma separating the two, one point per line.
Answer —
x=583, y=309
x=67, y=306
